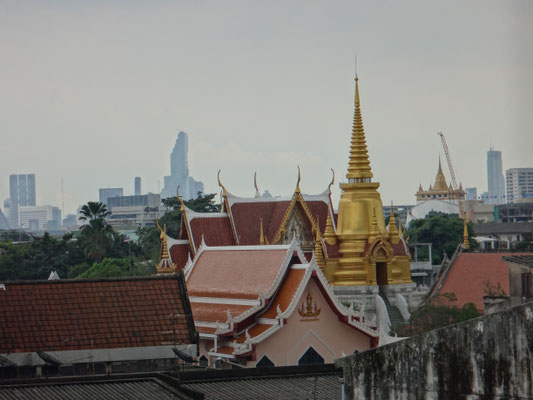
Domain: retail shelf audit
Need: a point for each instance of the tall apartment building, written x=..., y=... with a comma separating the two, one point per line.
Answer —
x=21, y=194
x=519, y=182
x=495, y=182
x=39, y=218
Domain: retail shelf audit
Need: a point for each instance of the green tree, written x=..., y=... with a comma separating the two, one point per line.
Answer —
x=445, y=232
x=93, y=210
x=108, y=268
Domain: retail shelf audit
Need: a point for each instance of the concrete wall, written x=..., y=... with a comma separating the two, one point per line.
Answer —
x=485, y=358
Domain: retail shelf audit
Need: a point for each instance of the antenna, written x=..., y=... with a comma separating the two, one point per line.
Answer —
x=62, y=199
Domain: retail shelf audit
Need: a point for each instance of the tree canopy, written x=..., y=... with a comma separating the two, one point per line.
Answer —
x=443, y=231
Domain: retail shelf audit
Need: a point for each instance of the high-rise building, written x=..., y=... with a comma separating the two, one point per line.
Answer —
x=179, y=172
x=3, y=221
x=519, y=184
x=137, y=186
x=21, y=193
x=106, y=193
x=471, y=193
x=496, y=183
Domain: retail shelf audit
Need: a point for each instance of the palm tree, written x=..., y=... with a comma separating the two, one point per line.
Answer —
x=93, y=210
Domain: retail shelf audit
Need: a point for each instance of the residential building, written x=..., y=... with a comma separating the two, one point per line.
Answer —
x=107, y=193
x=495, y=181
x=514, y=212
x=520, y=278
x=503, y=235
x=21, y=193
x=97, y=326
x=471, y=194
x=70, y=221
x=39, y=218
x=477, y=211
x=519, y=183
x=179, y=172
x=137, y=184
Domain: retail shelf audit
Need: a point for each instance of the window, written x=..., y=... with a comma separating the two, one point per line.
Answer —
x=203, y=361
x=264, y=362
x=310, y=357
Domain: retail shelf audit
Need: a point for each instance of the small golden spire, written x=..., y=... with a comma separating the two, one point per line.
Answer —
x=329, y=232
x=298, y=182
x=466, y=244
x=420, y=189
x=224, y=192
x=359, y=164
x=374, y=228
x=261, y=233
x=319, y=255
x=165, y=265
x=393, y=230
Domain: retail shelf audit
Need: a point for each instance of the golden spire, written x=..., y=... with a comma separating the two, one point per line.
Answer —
x=298, y=182
x=359, y=164
x=329, y=232
x=374, y=228
x=466, y=245
x=420, y=189
x=393, y=230
x=182, y=204
x=319, y=255
x=440, y=180
x=261, y=233
x=165, y=265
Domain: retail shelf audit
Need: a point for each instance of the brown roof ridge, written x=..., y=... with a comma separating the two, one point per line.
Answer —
x=111, y=279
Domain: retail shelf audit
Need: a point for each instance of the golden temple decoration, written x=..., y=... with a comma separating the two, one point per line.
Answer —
x=359, y=164
x=165, y=265
x=393, y=230
x=297, y=190
x=182, y=204
x=257, y=193
x=309, y=311
x=319, y=254
x=329, y=232
x=332, y=180
x=261, y=233
x=374, y=228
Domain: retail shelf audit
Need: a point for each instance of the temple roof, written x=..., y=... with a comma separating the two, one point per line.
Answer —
x=440, y=181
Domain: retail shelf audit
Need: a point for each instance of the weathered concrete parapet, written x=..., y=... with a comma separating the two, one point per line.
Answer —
x=490, y=357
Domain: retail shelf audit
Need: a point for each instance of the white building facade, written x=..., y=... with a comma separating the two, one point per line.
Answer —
x=519, y=182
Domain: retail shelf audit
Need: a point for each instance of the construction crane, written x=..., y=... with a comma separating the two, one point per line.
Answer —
x=450, y=167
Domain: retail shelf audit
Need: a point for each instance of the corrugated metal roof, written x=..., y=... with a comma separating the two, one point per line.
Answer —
x=103, y=390
x=287, y=388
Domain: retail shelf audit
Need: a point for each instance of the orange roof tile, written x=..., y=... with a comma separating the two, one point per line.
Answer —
x=286, y=293
x=235, y=273
x=212, y=312
x=215, y=231
x=179, y=254
x=468, y=274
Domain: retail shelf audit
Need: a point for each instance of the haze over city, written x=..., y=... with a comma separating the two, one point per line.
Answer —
x=95, y=93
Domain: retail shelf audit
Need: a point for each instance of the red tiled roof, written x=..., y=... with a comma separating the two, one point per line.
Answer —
x=467, y=277
x=215, y=231
x=93, y=314
x=286, y=293
x=235, y=273
x=179, y=254
x=247, y=216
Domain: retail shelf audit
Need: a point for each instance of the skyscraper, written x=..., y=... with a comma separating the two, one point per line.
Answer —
x=496, y=183
x=179, y=172
x=137, y=186
x=21, y=193
x=106, y=193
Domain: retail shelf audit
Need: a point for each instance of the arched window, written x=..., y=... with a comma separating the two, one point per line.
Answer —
x=264, y=362
x=203, y=361
x=310, y=357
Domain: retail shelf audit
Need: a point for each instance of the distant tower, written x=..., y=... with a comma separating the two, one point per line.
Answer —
x=496, y=183
x=179, y=172
x=137, y=186
x=21, y=193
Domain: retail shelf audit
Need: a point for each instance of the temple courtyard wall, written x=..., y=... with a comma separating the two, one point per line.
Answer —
x=490, y=357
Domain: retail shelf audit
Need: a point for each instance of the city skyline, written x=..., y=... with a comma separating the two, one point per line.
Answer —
x=257, y=99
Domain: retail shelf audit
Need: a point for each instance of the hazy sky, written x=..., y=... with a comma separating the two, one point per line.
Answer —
x=95, y=92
